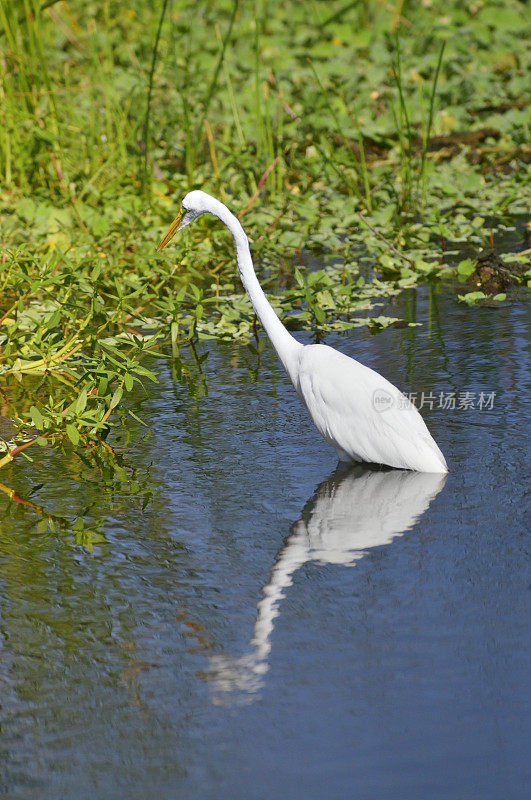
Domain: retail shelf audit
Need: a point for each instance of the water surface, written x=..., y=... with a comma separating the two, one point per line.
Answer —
x=270, y=626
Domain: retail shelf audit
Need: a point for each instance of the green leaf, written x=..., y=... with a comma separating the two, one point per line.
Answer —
x=37, y=418
x=471, y=297
x=132, y=414
x=73, y=434
x=319, y=314
x=387, y=262
x=117, y=396
x=103, y=386
x=139, y=370
x=299, y=277
x=174, y=332
x=96, y=272
x=81, y=402
x=466, y=267
x=181, y=294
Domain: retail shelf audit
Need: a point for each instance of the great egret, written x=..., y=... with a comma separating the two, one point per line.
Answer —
x=363, y=416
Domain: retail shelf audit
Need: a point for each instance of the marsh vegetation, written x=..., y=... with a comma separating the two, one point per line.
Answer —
x=377, y=137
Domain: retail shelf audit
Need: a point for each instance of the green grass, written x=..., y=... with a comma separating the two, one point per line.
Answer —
x=311, y=120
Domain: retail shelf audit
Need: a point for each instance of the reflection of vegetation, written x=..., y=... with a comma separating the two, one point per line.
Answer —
x=406, y=127
x=101, y=467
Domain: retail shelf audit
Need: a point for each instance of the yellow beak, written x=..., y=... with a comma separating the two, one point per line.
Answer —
x=172, y=230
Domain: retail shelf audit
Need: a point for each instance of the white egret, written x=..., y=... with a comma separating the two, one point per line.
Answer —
x=361, y=414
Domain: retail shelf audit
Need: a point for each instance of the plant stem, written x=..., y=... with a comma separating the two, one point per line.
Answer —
x=145, y=184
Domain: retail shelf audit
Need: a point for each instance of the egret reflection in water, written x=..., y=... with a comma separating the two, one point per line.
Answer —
x=351, y=512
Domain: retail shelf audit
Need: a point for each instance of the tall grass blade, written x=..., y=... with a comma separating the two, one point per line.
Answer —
x=430, y=122
x=145, y=184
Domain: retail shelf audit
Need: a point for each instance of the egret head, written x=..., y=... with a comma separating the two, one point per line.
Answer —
x=193, y=205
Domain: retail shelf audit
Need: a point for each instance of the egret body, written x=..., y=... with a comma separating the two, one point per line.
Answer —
x=361, y=414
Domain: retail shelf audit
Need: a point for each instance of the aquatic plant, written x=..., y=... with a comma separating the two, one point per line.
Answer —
x=367, y=138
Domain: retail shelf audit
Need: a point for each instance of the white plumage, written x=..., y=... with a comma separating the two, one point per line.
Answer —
x=361, y=414
x=345, y=400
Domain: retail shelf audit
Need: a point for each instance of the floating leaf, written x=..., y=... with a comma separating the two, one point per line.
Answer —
x=466, y=267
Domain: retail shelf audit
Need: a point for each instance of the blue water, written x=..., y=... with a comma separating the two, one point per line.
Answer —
x=269, y=627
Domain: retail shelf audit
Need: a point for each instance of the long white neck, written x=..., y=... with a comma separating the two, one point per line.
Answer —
x=286, y=346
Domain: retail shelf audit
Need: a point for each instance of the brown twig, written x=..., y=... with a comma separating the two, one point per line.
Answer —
x=261, y=183
x=34, y=507
x=10, y=455
x=389, y=244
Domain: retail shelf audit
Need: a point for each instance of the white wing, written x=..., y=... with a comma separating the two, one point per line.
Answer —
x=362, y=415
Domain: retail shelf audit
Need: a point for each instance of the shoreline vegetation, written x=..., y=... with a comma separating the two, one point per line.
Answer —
x=373, y=136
